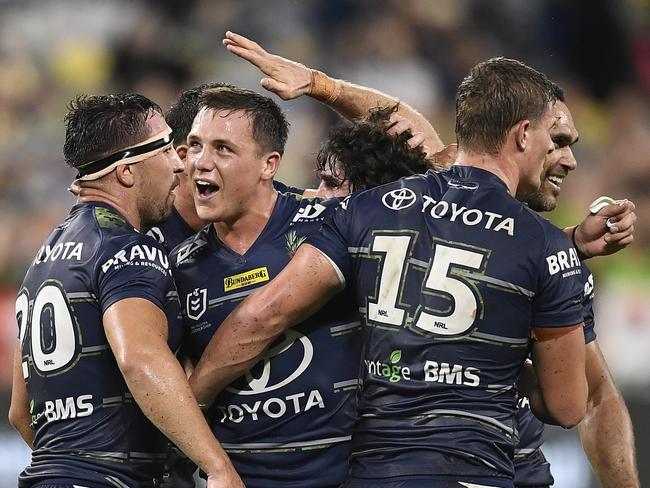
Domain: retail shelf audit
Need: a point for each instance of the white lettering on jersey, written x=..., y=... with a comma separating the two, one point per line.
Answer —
x=63, y=250
x=68, y=408
x=272, y=407
x=562, y=260
x=451, y=374
x=468, y=216
x=139, y=255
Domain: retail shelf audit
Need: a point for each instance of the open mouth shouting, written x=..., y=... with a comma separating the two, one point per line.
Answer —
x=205, y=189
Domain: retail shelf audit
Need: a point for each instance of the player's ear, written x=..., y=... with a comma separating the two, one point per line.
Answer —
x=181, y=150
x=271, y=165
x=124, y=174
x=521, y=134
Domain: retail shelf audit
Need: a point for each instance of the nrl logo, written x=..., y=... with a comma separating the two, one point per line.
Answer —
x=293, y=242
x=196, y=303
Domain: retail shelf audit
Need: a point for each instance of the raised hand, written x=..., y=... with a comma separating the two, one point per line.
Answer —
x=607, y=231
x=285, y=78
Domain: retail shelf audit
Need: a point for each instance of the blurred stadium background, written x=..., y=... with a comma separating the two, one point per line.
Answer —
x=418, y=50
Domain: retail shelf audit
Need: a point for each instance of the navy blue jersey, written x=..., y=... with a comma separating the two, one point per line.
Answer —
x=450, y=272
x=87, y=425
x=171, y=232
x=531, y=467
x=288, y=421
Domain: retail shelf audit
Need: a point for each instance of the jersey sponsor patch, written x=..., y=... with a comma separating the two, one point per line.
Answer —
x=138, y=255
x=563, y=261
x=187, y=251
x=399, y=199
x=303, y=348
x=468, y=216
x=310, y=212
x=246, y=278
x=63, y=250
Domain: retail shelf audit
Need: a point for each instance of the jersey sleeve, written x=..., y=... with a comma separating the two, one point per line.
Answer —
x=558, y=302
x=333, y=238
x=133, y=266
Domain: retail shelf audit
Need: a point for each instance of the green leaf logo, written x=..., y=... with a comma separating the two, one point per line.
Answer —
x=395, y=356
x=293, y=241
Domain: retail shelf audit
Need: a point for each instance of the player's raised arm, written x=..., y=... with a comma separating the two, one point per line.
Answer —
x=137, y=333
x=606, y=431
x=19, y=413
x=300, y=290
x=289, y=79
x=559, y=363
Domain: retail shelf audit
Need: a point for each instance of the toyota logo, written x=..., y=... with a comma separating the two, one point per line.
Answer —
x=259, y=385
x=399, y=199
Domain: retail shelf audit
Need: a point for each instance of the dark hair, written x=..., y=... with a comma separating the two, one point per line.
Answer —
x=98, y=125
x=181, y=114
x=558, y=92
x=497, y=94
x=367, y=155
x=269, y=125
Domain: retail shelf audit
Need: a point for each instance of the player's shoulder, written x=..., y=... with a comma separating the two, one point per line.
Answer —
x=132, y=250
x=117, y=233
x=104, y=227
x=558, y=252
x=188, y=250
x=553, y=235
x=399, y=195
x=284, y=188
x=109, y=220
x=110, y=225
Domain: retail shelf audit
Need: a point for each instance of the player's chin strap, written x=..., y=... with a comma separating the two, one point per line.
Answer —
x=130, y=155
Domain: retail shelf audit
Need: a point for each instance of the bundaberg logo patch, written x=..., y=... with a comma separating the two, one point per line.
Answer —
x=246, y=278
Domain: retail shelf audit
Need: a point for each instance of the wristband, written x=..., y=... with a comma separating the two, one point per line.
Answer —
x=581, y=256
x=324, y=88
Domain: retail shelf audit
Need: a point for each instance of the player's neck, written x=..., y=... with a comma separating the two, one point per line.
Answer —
x=498, y=164
x=240, y=233
x=121, y=203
